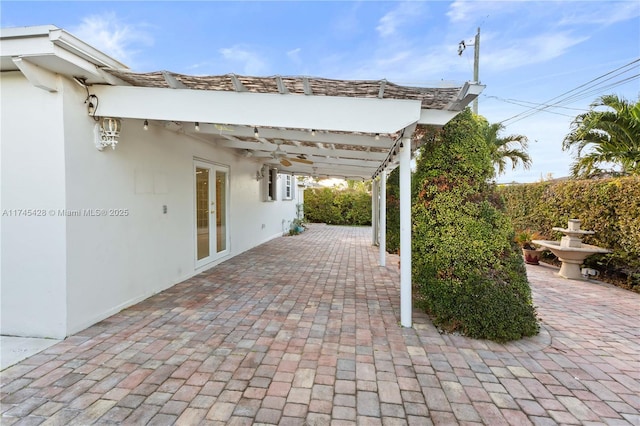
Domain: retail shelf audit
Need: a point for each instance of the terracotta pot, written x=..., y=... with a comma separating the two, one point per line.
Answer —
x=532, y=257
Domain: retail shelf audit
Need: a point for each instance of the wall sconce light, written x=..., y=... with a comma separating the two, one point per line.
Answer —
x=107, y=132
x=377, y=136
x=145, y=126
x=255, y=132
x=197, y=126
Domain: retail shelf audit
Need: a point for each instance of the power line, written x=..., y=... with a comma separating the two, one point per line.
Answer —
x=572, y=96
x=584, y=90
x=575, y=98
x=528, y=104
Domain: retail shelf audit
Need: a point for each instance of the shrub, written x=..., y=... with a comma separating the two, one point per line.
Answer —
x=610, y=207
x=468, y=273
x=393, y=212
x=338, y=206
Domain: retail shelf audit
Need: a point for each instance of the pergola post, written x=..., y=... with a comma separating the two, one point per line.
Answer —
x=405, y=233
x=383, y=218
x=375, y=214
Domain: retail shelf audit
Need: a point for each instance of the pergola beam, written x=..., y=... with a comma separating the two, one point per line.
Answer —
x=173, y=82
x=319, y=160
x=436, y=117
x=332, y=113
x=331, y=171
x=383, y=141
x=292, y=149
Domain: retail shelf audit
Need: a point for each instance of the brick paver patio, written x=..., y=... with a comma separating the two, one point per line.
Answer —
x=305, y=330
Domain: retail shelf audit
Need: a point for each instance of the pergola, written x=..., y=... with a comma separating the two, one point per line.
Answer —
x=301, y=125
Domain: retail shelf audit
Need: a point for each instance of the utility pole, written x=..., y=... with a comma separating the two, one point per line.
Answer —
x=476, y=71
x=476, y=61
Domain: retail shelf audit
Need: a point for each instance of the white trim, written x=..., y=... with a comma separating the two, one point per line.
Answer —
x=331, y=113
x=214, y=255
x=436, y=117
x=383, y=218
x=288, y=182
x=375, y=211
x=406, y=303
x=37, y=76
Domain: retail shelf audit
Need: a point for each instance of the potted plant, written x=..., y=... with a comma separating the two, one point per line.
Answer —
x=296, y=227
x=530, y=251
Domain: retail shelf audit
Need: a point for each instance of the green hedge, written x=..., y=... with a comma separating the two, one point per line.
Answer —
x=393, y=212
x=337, y=206
x=467, y=272
x=610, y=207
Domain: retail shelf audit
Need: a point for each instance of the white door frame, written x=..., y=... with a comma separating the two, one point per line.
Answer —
x=206, y=239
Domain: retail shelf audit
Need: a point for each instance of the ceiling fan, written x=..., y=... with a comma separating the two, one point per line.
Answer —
x=281, y=156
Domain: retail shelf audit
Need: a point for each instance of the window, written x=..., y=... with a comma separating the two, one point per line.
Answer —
x=287, y=189
x=269, y=183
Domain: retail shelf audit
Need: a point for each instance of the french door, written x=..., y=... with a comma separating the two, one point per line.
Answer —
x=212, y=211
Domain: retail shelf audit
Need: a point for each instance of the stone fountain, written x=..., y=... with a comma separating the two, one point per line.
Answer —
x=570, y=250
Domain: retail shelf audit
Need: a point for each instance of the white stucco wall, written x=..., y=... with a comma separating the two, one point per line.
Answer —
x=34, y=257
x=110, y=262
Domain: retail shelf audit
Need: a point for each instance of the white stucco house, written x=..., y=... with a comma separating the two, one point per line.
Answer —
x=116, y=185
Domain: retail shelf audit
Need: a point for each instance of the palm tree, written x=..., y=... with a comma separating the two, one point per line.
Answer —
x=505, y=148
x=609, y=138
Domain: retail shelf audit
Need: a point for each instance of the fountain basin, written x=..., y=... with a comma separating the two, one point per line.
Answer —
x=571, y=257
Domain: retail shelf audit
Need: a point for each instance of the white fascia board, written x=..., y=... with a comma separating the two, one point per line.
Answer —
x=43, y=40
x=436, y=117
x=77, y=61
x=258, y=109
x=15, y=46
x=50, y=46
x=60, y=37
x=29, y=31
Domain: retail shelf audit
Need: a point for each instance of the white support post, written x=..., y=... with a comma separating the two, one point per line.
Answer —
x=383, y=218
x=406, y=304
x=375, y=214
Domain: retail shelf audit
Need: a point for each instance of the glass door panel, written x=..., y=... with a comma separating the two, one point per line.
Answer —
x=202, y=213
x=221, y=211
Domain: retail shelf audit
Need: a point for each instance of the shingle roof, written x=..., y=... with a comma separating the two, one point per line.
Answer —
x=434, y=98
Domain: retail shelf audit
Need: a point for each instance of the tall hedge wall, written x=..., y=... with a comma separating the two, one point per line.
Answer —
x=337, y=207
x=467, y=272
x=610, y=207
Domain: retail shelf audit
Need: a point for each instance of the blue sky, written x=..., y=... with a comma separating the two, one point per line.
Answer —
x=530, y=52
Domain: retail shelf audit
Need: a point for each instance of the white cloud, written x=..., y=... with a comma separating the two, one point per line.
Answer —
x=405, y=13
x=110, y=34
x=527, y=51
x=461, y=11
x=602, y=13
x=294, y=55
x=251, y=62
